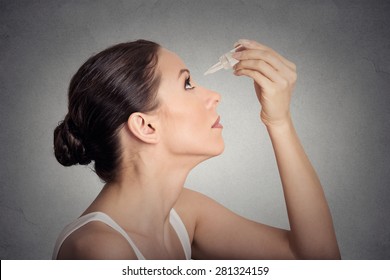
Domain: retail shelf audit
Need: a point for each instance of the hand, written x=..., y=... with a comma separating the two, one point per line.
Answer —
x=274, y=78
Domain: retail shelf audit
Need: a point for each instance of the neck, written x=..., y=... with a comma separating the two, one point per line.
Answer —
x=146, y=192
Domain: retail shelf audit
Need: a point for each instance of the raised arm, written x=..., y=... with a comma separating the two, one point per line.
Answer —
x=312, y=234
x=219, y=233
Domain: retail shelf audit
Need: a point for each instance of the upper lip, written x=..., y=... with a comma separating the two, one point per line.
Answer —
x=217, y=121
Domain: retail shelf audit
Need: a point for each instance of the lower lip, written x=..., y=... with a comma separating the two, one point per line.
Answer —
x=217, y=125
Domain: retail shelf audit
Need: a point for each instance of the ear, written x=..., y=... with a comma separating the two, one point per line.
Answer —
x=142, y=126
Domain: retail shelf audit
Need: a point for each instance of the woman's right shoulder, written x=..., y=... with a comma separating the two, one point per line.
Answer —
x=96, y=241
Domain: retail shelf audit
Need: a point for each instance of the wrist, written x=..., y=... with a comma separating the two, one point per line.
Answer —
x=282, y=126
x=276, y=123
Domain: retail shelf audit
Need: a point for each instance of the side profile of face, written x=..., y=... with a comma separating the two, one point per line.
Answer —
x=188, y=117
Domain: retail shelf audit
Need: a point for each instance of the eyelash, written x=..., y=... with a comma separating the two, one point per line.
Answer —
x=188, y=83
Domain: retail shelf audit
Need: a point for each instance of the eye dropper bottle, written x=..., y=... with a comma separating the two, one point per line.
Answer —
x=226, y=61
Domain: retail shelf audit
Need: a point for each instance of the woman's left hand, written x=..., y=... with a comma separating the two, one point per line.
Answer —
x=274, y=78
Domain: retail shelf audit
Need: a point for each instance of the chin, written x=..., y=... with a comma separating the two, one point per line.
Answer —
x=215, y=151
x=218, y=150
x=221, y=149
x=212, y=151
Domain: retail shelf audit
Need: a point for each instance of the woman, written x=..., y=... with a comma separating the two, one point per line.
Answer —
x=135, y=112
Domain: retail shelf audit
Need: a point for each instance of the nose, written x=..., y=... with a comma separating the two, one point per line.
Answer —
x=212, y=98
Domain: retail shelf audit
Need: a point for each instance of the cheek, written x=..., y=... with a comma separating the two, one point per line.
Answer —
x=186, y=128
x=188, y=123
x=185, y=115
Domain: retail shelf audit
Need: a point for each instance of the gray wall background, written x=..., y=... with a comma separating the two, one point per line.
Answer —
x=340, y=108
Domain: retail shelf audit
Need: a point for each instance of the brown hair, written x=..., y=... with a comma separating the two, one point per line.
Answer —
x=104, y=92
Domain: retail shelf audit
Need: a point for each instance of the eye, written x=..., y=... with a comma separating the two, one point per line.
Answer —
x=187, y=84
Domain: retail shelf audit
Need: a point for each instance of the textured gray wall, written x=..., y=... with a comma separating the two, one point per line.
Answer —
x=340, y=108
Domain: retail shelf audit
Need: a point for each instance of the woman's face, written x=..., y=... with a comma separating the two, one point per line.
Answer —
x=189, y=120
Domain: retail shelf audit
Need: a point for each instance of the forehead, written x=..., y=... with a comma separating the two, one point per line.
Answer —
x=169, y=63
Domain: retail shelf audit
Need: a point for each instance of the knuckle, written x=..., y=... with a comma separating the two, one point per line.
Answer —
x=293, y=78
x=267, y=54
x=284, y=84
x=294, y=66
x=262, y=63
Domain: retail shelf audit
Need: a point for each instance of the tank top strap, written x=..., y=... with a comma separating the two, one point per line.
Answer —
x=181, y=232
x=94, y=216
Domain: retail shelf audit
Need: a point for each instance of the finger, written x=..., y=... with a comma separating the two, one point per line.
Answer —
x=266, y=56
x=249, y=44
x=263, y=67
x=261, y=80
x=266, y=69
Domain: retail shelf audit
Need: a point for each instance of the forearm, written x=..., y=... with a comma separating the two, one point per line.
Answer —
x=312, y=234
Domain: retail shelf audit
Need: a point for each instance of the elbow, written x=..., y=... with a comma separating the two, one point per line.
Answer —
x=319, y=254
x=330, y=255
x=333, y=254
x=330, y=251
x=315, y=251
x=314, y=248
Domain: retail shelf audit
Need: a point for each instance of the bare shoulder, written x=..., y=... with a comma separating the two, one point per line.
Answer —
x=190, y=202
x=191, y=206
x=191, y=196
x=195, y=203
x=95, y=241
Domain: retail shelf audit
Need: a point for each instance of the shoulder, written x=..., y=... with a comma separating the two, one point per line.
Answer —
x=95, y=241
x=195, y=203
x=192, y=202
x=192, y=206
x=191, y=196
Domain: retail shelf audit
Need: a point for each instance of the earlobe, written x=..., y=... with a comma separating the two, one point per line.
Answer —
x=142, y=127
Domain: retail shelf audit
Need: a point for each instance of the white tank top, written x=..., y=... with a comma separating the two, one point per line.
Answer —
x=174, y=219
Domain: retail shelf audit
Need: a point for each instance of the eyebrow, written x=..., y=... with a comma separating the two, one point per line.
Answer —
x=183, y=71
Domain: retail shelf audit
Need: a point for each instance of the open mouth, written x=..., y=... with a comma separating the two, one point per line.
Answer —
x=217, y=124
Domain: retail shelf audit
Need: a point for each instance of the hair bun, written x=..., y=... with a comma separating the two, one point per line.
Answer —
x=68, y=146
